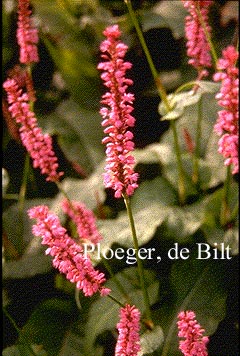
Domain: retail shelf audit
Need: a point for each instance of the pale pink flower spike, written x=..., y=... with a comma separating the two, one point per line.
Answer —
x=198, y=48
x=227, y=122
x=68, y=255
x=38, y=145
x=119, y=175
x=189, y=329
x=84, y=219
x=128, y=343
x=27, y=35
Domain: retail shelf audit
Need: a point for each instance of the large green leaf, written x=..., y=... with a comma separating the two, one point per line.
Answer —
x=149, y=207
x=104, y=313
x=48, y=324
x=79, y=133
x=73, y=345
x=199, y=286
x=17, y=227
x=169, y=14
x=187, y=107
x=182, y=222
x=89, y=191
x=214, y=232
x=151, y=341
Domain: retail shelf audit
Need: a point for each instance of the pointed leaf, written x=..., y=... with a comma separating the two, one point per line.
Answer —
x=150, y=341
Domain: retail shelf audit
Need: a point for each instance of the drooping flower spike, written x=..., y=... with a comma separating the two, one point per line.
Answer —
x=68, y=256
x=194, y=343
x=117, y=117
x=84, y=219
x=128, y=343
x=198, y=48
x=27, y=35
x=38, y=145
x=227, y=123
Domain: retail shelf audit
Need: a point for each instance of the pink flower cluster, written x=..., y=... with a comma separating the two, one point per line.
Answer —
x=194, y=343
x=128, y=343
x=227, y=122
x=84, y=220
x=198, y=48
x=117, y=115
x=27, y=36
x=68, y=255
x=38, y=145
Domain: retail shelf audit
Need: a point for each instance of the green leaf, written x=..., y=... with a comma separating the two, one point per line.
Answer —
x=118, y=230
x=200, y=287
x=72, y=344
x=104, y=313
x=150, y=341
x=180, y=101
x=149, y=206
x=214, y=232
x=79, y=133
x=89, y=191
x=166, y=14
x=23, y=350
x=153, y=191
x=182, y=222
x=47, y=324
x=19, y=230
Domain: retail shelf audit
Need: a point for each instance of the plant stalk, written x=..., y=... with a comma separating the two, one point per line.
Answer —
x=164, y=98
x=196, y=155
x=139, y=261
x=225, y=215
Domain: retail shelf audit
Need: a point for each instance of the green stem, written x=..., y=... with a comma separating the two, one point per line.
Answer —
x=225, y=209
x=185, y=86
x=234, y=212
x=208, y=37
x=181, y=184
x=161, y=89
x=23, y=189
x=21, y=201
x=164, y=98
x=196, y=155
x=116, y=300
x=139, y=261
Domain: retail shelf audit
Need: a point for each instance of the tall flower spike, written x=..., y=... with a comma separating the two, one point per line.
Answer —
x=68, y=255
x=128, y=343
x=227, y=122
x=119, y=175
x=38, y=145
x=198, y=48
x=84, y=220
x=194, y=343
x=27, y=36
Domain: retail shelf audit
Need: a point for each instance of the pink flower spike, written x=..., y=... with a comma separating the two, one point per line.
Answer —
x=189, y=329
x=117, y=115
x=128, y=343
x=227, y=122
x=198, y=48
x=84, y=220
x=38, y=145
x=68, y=256
x=27, y=36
